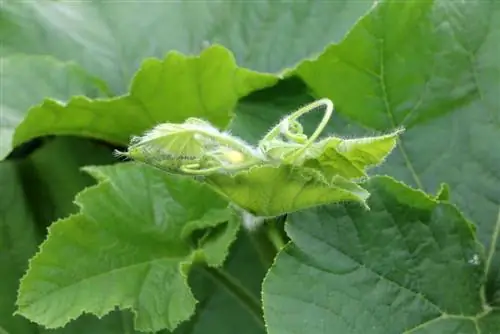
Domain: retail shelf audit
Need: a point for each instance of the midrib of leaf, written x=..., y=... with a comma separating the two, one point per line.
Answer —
x=390, y=115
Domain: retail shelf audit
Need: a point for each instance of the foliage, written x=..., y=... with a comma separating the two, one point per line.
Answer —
x=232, y=203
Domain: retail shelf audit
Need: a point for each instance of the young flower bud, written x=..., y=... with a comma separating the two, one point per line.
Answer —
x=192, y=148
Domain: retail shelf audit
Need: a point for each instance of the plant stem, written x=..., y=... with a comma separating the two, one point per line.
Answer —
x=268, y=239
x=274, y=235
x=237, y=290
x=265, y=249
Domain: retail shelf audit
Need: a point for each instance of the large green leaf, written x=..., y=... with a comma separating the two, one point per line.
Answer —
x=410, y=265
x=171, y=89
x=27, y=80
x=433, y=67
x=131, y=247
x=18, y=240
x=110, y=39
x=217, y=311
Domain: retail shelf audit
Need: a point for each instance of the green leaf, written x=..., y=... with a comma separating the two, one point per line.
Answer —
x=486, y=324
x=422, y=65
x=110, y=39
x=269, y=191
x=490, y=323
x=27, y=80
x=114, y=323
x=18, y=240
x=172, y=89
x=129, y=247
x=350, y=157
x=217, y=311
x=410, y=264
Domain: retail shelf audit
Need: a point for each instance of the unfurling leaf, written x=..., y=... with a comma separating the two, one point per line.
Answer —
x=286, y=172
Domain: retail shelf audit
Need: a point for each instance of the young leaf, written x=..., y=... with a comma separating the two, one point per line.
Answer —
x=168, y=90
x=270, y=191
x=369, y=151
x=410, y=265
x=131, y=246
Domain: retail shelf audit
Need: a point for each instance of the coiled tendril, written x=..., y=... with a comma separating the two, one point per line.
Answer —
x=291, y=129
